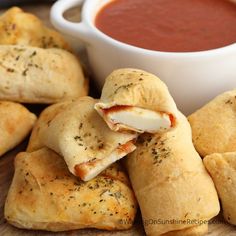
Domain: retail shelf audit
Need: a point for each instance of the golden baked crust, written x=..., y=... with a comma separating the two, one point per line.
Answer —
x=19, y=27
x=135, y=88
x=15, y=124
x=214, y=125
x=44, y=195
x=222, y=168
x=170, y=181
x=36, y=75
x=47, y=115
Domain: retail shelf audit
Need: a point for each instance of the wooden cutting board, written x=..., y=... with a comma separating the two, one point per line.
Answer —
x=217, y=227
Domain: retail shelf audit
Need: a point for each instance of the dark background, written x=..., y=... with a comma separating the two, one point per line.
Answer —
x=9, y=3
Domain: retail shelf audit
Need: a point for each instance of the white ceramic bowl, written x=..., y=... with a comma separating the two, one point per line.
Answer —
x=193, y=78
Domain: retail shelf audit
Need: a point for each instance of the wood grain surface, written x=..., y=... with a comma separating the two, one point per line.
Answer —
x=217, y=227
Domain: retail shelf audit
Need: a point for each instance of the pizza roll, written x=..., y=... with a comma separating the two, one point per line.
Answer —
x=15, y=124
x=136, y=100
x=214, y=125
x=170, y=182
x=21, y=28
x=222, y=168
x=35, y=75
x=44, y=195
x=81, y=136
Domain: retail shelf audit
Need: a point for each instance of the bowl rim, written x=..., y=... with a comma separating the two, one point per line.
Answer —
x=88, y=20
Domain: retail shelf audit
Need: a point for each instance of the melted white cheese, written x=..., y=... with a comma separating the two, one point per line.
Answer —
x=140, y=119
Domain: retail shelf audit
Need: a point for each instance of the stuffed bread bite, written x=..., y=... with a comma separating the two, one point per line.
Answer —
x=81, y=136
x=22, y=28
x=170, y=182
x=222, y=168
x=15, y=124
x=35, y=75
x=44, y=195
x=136, y=100
x=214, y=125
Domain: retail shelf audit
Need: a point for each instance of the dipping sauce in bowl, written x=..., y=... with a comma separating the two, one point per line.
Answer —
x=170, y=25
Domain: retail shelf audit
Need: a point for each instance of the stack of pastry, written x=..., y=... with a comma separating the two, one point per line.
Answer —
x=69, y=177
x=35, y=67
x=77, y=142
x=61, y=199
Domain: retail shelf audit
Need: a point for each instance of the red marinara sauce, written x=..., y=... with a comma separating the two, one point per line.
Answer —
x=170, y=25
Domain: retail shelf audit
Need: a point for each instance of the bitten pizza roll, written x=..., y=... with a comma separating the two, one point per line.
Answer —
x=135, y=100
x=44, y=195
x=214, y=125
x=222, y=168
x=171, y=183
x=15, y=124
x=22, y=28
x=81, y=136
x=36, y=75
